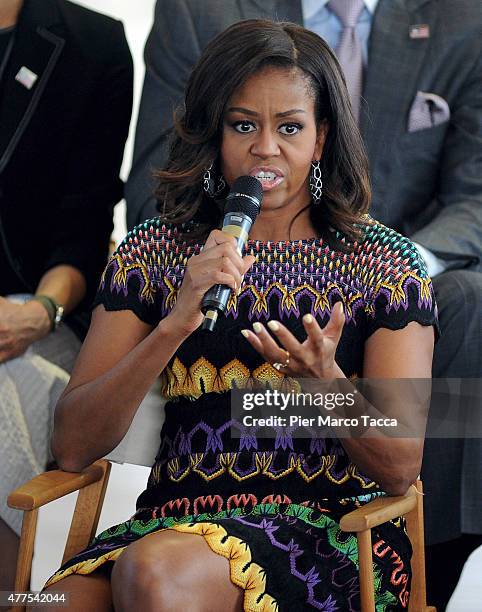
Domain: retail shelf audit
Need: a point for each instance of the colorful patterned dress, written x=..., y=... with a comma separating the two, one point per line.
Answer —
x=270, y=506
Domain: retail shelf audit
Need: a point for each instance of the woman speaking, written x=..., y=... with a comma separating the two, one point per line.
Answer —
x=322, y=292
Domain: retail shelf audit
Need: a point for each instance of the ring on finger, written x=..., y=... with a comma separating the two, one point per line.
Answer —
x=278, y=365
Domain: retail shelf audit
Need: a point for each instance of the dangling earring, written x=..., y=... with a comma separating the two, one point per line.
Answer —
x=316, y=183
x=213, y=185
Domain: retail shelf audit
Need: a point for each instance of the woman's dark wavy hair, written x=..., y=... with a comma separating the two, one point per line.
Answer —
x=232, y=57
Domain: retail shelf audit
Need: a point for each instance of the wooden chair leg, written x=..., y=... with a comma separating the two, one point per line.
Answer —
x=367, y=585
x=86, y=514
x=25, y=551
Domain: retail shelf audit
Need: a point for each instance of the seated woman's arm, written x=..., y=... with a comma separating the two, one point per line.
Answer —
x=122, y=354
x=405, y=353
x=119, y=361
x=394, y=463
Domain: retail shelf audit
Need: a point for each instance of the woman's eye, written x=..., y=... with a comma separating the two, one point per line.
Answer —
x=244, y=127
x=289, y=129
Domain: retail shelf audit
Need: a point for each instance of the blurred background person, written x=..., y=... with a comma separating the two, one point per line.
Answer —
x=65, y=105
x=413, y=69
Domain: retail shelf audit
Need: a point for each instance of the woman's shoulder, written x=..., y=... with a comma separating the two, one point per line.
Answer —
x=156, y=239
x=397, y=288
x=385, y=252
x=145, y=270
x=158, y=229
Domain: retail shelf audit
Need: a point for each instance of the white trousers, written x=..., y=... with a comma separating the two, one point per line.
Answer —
x=30, y=386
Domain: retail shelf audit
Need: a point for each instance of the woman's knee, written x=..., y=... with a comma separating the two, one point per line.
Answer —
x=147, y=572
x=91, y=592
x=170, y=571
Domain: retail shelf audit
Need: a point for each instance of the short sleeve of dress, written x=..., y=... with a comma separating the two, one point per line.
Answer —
x=398, y=289
x=134, y=278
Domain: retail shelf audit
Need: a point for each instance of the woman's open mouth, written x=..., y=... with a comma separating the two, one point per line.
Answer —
x=268, y=178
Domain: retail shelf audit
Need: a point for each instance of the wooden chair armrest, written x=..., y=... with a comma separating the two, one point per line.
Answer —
x=52, y=485
x=379, y=511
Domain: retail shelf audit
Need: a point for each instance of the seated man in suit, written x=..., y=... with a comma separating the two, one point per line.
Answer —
x=65, y=104
x=417, y=66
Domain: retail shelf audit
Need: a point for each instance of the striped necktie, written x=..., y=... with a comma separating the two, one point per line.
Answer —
x=349, y=49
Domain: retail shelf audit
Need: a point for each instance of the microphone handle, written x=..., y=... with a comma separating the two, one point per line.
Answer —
x=216, y=299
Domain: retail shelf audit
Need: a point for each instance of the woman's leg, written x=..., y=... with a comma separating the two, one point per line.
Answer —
x=92, y=593
x=173, y=571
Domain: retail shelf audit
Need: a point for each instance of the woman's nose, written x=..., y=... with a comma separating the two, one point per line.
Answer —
x=265, y=144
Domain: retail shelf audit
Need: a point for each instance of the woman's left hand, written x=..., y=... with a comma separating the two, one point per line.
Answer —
x=313, y=358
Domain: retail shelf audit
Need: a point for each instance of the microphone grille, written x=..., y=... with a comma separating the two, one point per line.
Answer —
x=246, y=196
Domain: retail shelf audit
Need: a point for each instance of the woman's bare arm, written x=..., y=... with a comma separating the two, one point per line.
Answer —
x=122, y=356
x=119, y=361
x=406, y=353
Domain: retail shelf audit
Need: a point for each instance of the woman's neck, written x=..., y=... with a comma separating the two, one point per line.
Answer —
x=277, y=228
x=9, y=10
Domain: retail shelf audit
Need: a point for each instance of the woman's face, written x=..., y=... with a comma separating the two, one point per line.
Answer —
x=270, y=132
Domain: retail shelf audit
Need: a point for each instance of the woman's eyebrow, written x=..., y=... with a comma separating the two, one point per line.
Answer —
x=247, y=111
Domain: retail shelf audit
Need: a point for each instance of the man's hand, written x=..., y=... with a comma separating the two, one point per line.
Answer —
x=20, y=326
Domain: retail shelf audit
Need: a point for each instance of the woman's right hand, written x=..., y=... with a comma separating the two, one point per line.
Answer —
x=218, y=263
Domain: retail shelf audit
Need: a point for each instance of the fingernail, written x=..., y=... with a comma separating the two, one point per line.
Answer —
x=308, y=319
x=235, y=287
x=273, y=325
x=245, y=333
x=257, y=327
x=340, y=307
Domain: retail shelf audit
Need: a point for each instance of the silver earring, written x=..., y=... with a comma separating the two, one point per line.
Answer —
x=316, y=183
x=213, y=185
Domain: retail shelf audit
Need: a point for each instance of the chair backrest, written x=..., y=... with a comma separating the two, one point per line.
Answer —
x=141, y=442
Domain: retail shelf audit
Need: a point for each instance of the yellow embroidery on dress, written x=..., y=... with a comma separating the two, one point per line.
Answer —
x=203, y=377
x=234, y=374
x=261, y=303
x=172, y=293
x=263, y=465
x=120, y=276
x=398, y=294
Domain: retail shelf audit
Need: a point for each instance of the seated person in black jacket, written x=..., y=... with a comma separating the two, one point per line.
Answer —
x=65, y=104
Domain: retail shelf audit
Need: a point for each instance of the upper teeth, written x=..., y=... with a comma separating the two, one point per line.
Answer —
x=270, y=176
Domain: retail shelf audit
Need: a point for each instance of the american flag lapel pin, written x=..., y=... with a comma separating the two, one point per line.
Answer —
x=419, y=30
x=26, y=77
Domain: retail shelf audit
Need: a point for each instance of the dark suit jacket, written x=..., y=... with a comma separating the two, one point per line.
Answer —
x=62, y=142
x=426, y=184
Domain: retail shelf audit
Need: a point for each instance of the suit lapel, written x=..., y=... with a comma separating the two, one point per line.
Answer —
x=37, y=49
x=280, y=10
x=394, y=64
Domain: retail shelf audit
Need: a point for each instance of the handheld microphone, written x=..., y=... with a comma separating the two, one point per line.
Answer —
x=242, y=207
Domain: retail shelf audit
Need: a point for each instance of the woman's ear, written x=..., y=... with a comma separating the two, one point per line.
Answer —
x=323, y=129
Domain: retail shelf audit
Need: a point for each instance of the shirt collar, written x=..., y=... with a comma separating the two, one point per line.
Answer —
x=311, y=7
